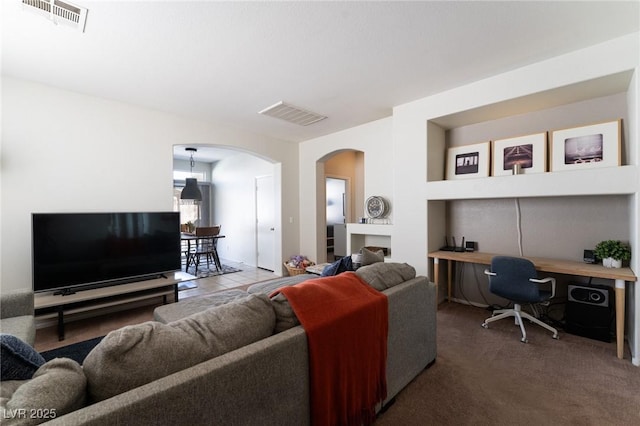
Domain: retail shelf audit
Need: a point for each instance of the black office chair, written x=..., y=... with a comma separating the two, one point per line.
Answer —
x=516, y=279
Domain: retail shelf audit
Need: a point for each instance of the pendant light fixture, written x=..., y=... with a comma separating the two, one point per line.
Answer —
x=191, y=193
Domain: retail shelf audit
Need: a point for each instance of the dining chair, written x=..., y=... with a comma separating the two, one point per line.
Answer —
x=206, y=246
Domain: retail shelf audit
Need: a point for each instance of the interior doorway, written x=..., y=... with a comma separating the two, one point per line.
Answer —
x=265, y=223
x=347, y=165
x=336, y=210
x=227, y=179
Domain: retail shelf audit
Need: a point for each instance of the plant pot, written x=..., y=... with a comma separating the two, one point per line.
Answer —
x=610, y=262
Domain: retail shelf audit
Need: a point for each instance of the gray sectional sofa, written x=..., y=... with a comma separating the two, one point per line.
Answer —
x=262, y=376
x=16, y=315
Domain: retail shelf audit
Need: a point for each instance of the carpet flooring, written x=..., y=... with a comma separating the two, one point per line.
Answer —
x=488, y=377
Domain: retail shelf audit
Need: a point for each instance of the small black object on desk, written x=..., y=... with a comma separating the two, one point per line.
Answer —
x=453, y=246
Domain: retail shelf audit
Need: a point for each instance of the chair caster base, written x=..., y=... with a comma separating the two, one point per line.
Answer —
x=485, y=325
x=524, y=340
x=555, y=336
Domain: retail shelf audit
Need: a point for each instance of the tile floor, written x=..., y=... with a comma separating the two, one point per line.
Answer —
x=84, y=329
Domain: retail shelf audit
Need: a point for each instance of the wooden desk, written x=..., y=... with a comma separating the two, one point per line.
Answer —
x=568, y=267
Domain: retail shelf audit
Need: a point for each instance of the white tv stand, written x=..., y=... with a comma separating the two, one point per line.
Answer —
x=49, y=305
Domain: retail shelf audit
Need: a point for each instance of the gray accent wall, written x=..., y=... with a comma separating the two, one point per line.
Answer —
x=558, y=228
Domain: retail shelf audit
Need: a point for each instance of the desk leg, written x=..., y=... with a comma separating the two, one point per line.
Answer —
x=620, y=289
x=449, y=278
x=436, y=275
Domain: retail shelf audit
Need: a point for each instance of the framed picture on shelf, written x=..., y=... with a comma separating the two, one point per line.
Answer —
x=529, y=152
x=469, y=161
x=591, y=146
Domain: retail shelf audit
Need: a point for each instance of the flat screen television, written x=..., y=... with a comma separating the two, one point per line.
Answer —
x=75, y=251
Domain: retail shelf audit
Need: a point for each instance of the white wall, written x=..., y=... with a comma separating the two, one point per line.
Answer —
x=374, y=139
x=63, y=151
x=234, y=204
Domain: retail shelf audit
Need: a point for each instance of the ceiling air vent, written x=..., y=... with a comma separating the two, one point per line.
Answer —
x=59, y=12
x=292, y=114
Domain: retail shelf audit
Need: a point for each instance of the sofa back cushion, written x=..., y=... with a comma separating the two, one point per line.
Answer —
x=285, y=317
x=369, y=257
x=135, y=355
x=384, y=275
x=57, y=387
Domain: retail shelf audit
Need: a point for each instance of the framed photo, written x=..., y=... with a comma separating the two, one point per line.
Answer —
x=592, y=146
x=469, y=161
x=529, y=151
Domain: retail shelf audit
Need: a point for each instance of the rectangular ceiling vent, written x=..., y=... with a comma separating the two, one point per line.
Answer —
x=292, y=114
x=59, y=12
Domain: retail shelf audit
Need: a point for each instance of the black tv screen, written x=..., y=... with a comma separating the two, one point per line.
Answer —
x=94, y=249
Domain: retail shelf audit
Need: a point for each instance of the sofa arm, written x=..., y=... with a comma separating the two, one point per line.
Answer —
x=16, y=303
x=411, y=344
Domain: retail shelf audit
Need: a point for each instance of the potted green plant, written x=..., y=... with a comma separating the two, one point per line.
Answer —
x=612, y=253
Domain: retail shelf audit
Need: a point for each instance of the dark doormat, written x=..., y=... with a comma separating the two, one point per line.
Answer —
x=211, y=271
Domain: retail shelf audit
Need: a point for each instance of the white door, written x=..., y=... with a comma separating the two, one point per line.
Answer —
x=265, y=222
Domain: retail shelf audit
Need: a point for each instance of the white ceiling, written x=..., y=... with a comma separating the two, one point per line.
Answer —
x=222, y=62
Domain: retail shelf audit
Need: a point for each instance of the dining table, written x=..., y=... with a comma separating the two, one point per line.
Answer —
x=191, y=242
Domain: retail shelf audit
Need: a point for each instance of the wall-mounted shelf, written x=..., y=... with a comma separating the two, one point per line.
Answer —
x=550, y=184
x=369, y=229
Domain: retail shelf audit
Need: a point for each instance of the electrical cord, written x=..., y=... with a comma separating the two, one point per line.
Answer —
x=519, y=226
x=460, y=273
x=552, y=319
x=460, y=267
x=544, y=313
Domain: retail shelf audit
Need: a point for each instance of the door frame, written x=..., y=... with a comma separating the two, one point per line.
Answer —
x=348, y=217
x=275, y=227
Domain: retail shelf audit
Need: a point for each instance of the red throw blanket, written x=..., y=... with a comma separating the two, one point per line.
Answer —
x=346, y=322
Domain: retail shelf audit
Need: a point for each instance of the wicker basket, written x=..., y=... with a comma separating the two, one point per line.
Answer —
x=294, y=271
